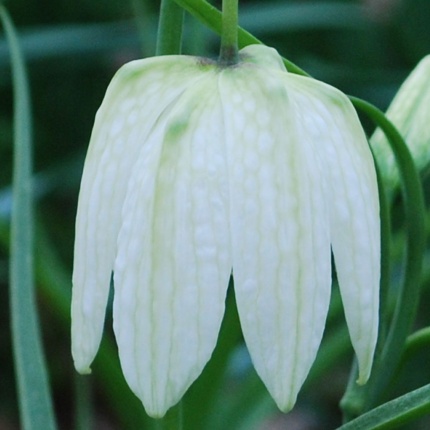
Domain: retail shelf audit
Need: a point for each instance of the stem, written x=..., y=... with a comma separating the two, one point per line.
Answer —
x=384, y=305
x=170, y=24
x=212, y=18
x=229, y=38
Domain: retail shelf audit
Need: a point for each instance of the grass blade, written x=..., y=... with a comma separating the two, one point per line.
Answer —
x=395, y=413
x=33, y=391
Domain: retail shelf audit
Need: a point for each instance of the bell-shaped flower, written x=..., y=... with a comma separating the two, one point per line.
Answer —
x=409, y=112
x=196, y=171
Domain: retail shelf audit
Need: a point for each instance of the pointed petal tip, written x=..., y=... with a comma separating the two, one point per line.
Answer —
x=83, y=350
x=156, y=414
x=361, y=381
x=83, y=369
x=158, y=410
x=286, y=405
x=363, y=376
x=82, y=360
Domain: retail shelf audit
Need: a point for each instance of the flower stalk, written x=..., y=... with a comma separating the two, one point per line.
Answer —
x=229, y=38
x=211, y=17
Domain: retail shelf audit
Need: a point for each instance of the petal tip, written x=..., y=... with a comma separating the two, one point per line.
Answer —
x=159, y=410
x=286, y=406
x=83, y=369
x=363, y=377
x=285, y=401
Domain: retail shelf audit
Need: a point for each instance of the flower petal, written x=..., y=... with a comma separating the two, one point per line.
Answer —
x=173, y=265
x=354, y=211
x=280, y=229
x=409, y=113
x=136, y=97
x=264, y=56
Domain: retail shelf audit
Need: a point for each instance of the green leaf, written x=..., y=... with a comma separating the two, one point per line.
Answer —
x=33, y=390
x=282, y=17
x=394, y=413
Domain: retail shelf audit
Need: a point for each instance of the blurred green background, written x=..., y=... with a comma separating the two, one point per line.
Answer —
x=73, y=48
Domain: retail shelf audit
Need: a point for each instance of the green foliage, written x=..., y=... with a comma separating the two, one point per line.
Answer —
x=33, y=390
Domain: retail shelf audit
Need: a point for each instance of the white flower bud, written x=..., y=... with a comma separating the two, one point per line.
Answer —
x=409, y=112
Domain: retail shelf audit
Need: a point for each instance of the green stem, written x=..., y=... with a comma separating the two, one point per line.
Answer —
x=229, y=38
x=35, y=404
x=384, y=305
x=212, y=18
x=359, y=399
x=170, y=24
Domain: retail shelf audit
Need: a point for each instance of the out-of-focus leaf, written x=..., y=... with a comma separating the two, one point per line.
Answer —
x=391, y=415
x=302, y=16
x=34, y=397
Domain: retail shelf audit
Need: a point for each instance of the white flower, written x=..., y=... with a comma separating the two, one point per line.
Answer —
x=195, y=170
x=409, y=112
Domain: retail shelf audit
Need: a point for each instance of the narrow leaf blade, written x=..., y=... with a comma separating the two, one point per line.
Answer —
x=33, y=390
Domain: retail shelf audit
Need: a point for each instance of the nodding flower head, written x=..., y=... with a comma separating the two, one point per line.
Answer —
x=196, y=172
